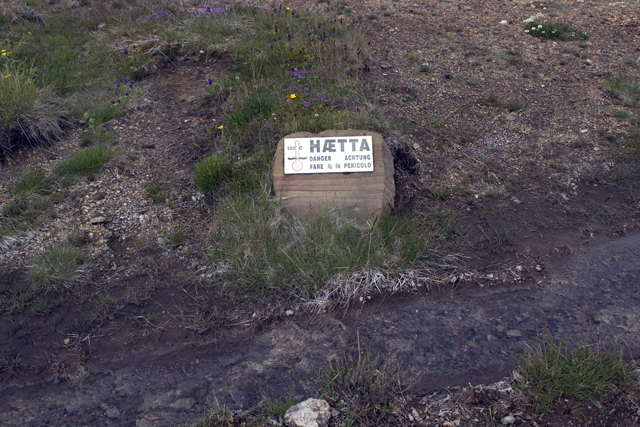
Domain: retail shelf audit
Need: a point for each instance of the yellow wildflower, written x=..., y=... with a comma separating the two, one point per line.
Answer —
x=292, y=96
x=220, y=127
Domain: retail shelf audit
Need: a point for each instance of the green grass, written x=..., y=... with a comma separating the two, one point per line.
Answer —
x=156, y=193
x=261, y=249
x=86, y=161
x=31, y=182
x=554, y=31
x=210, y=172
x=56, y=268
x=591, y=374
x=622, y=115
x=278, y=407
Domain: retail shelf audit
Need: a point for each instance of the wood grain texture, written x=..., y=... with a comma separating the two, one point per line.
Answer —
x=359, y=194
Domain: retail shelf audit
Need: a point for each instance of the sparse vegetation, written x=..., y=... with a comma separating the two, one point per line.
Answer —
x=367, y=388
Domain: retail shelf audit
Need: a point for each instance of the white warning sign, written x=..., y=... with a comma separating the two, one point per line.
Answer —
x=328, y=154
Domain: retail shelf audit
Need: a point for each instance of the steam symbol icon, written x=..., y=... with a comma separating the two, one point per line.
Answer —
x=297, y=165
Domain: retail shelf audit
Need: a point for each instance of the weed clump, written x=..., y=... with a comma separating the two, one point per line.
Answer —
x=210, y=172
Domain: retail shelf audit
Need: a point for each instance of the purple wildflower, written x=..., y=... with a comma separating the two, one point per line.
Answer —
x=126, y=80
x=118, y=100
x=289, y=36
x=126, y=93
x=209, y=81
x=305, y=104
x=126, y=51
x=271, y=46
x=117, y=84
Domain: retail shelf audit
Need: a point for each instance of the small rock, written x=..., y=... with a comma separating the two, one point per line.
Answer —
x=538, y=268
x=113, y=413
x=447, y=424
x=289, y=312
x=564, y=197
x=161, y=241
x=184, y=404
x=510, y=117
x=518, y=268
x=504, y=22
x=500, y=328
x=508, y=420
x=310, y=413
x=98, y=220
x=514, y=333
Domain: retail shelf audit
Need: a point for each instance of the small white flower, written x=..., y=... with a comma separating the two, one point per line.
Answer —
x=317, y=115
x=526, y=31
x=539, y=26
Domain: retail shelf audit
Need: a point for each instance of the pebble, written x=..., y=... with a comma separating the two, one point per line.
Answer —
x=98, y=220
x=514, y=333
x=508, y=420
x=113, y=413
x=289, y=312
x=185, y=403
x=447, y=424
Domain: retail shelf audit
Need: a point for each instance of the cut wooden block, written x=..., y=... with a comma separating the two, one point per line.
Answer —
x=359, y=194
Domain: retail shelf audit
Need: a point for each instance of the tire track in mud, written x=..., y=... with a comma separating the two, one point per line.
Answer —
x=456, y=337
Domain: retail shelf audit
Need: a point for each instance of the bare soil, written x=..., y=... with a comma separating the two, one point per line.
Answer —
x=549, y=197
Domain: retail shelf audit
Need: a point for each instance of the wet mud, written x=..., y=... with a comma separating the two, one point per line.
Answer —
x=443, y=338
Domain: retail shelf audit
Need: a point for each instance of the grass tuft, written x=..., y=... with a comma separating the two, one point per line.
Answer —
x=29, y=115
x=590, y=374
x=278, y=407
x=31, y=182
x=622, y=88
x=86, y=161
x=56, y=268
x=210, y=172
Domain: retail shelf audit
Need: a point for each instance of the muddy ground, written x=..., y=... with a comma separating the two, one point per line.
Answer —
x=548, y=195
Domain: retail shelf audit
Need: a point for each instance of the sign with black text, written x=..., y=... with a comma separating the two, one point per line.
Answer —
x=328, y=154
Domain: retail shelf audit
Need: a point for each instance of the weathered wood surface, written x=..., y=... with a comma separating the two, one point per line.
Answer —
x=359, y=194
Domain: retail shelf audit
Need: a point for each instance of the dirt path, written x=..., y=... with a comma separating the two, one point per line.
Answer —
x=468, y=335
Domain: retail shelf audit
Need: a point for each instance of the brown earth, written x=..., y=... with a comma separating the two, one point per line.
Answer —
x=539, y=188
